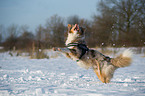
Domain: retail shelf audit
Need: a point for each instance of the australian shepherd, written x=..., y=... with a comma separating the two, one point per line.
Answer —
x=85, y=57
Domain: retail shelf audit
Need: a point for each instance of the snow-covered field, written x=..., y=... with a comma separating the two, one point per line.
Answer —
x=21, y=76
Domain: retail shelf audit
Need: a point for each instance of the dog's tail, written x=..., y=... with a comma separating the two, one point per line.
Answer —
x=123, y=60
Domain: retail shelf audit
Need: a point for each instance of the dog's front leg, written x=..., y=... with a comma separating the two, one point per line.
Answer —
x=64, y=51
x=56, y=49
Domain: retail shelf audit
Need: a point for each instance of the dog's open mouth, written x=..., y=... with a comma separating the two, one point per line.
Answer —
x=76, y=27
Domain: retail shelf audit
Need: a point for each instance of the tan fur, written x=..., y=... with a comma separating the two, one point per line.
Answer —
x=99, y=73
x=121, y=61
x=106, y=73
x=69, y=26
x=102, y=75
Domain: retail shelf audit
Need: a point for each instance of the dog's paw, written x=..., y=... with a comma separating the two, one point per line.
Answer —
x=59, y=49
x=54, y=49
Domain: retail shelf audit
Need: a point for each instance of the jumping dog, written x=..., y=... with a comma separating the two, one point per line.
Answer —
x=85, y=57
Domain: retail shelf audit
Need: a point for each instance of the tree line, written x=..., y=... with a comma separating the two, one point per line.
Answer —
x=119, y=23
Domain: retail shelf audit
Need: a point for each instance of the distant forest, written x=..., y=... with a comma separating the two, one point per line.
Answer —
x=120, y=23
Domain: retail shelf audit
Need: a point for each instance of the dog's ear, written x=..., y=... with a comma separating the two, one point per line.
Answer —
x=82, y=31
x=69, y=27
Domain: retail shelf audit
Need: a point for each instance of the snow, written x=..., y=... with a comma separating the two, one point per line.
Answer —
x=21, y=76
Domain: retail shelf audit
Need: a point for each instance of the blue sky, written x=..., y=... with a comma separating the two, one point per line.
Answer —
x=36, y=12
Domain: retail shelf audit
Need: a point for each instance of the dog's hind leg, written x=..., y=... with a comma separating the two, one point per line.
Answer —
x=100, y=74
x=100, y=77
x=98, y=65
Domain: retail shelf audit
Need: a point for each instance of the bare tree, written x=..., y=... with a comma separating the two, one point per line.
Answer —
x=55, y=28
x=129, y=14
x=40, y=33
x=25, y=40
x=12, y=31
x=121, y=22
x=12, y=38
x=1, y=33
x=103, y=26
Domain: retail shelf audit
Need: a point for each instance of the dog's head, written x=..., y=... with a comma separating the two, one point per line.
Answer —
x=75, y=33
